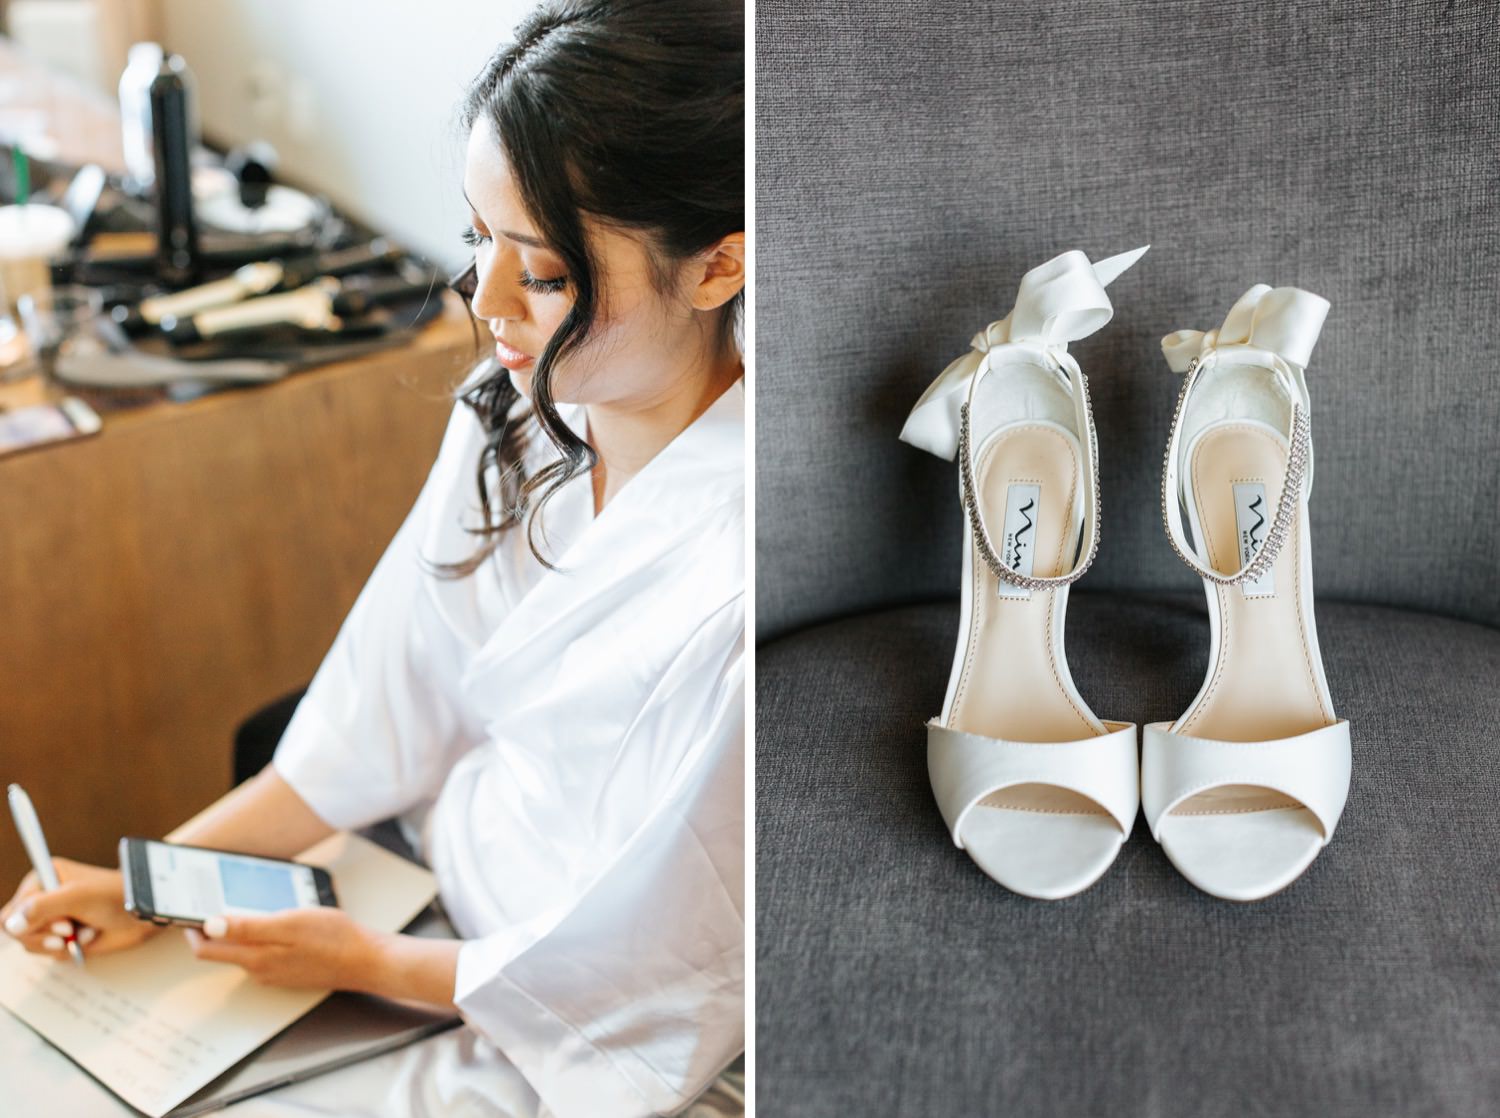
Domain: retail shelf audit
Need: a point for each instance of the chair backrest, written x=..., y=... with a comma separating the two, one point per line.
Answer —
x=913, y=160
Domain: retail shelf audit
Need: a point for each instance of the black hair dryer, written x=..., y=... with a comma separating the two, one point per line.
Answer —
x=177, y=259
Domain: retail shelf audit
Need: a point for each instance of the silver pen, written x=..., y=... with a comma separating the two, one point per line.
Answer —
x=35, y=842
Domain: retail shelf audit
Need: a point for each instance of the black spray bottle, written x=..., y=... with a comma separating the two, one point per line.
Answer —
x=177, y=261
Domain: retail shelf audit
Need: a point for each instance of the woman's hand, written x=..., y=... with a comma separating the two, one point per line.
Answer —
x=327, y=949
x=303, y=948
x=91, y=896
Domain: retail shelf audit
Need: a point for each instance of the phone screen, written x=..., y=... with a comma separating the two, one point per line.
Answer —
x=195, y=884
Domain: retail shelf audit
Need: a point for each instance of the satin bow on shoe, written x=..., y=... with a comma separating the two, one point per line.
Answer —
x=1285, y=321
x=1282, y=324
x=1058, y=302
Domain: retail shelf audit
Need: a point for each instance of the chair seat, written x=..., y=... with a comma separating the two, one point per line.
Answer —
x=895, y=978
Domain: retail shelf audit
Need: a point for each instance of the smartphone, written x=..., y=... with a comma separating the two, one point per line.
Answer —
x=168, y=883
x=40, y=424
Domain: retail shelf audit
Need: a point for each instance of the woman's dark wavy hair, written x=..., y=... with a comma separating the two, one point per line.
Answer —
x=631, y=111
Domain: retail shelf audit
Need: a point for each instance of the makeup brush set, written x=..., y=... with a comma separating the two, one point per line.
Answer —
x=197, y=271
x=299, y=287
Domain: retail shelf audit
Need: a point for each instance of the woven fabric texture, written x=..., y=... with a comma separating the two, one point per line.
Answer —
x=914, y=160
x=894, y=978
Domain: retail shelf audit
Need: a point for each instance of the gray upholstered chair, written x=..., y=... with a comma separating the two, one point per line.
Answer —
x=913, y=160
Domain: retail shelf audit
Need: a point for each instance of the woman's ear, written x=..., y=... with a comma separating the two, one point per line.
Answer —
x=722, y=274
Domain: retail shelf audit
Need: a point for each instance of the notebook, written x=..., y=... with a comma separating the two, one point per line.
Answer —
x=342, y=1030
x=169, y=1033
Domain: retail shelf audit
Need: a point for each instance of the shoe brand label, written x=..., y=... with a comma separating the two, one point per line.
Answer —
x=1018, y=544
x=1252, y=521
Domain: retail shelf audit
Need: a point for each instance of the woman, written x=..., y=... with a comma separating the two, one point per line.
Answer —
x=543, y=677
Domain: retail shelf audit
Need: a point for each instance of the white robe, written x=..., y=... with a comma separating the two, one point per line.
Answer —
x=566, y=750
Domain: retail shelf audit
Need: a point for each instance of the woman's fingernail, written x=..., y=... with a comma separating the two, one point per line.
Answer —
x=87, y=935
x=15, y=923
x=53, y=943
x=215, y=926
x=62, y=928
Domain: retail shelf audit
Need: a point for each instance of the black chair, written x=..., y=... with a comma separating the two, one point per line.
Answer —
x=255, y=740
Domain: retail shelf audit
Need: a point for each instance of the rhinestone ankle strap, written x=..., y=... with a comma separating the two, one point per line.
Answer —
x=1299, y=443
x=976, y=519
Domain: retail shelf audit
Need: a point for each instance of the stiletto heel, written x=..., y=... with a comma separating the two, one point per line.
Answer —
x=1245, y=788
x=1039, y=791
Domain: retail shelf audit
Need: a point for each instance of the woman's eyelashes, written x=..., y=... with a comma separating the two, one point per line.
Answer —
x=473, y=238
x=545, y=286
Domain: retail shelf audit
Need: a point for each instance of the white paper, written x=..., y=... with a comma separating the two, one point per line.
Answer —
x=155, y=1023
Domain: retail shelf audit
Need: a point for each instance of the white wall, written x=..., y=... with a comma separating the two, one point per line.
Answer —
x=84, y=38
x=359, y=97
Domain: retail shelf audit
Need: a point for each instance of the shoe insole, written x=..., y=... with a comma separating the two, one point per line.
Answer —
x=1027, y=480
x=1264, y=684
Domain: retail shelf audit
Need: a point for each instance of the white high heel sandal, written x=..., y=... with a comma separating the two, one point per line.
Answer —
x=1039, y=791
x=1246, y=787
